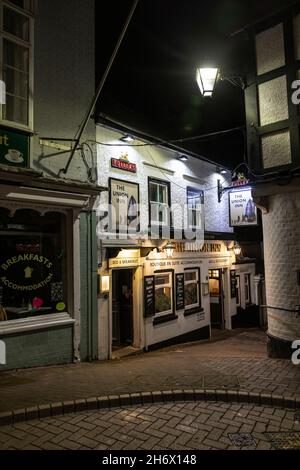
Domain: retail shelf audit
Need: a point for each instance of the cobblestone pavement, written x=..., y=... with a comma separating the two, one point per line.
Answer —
x=180, y=426
x=236, y=362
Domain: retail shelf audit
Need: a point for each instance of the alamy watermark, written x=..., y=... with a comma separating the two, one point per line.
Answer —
x=2, y=353
x=296, y=354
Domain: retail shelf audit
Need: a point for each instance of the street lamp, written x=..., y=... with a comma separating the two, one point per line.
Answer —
x=206, y=79
x=169, y=249
x=237, y=249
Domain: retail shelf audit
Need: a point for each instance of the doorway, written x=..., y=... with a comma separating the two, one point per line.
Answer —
x=216, y=298
x=122, y=308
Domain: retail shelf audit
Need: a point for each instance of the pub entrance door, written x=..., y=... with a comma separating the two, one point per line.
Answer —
x=122, y=308
x=216, y=298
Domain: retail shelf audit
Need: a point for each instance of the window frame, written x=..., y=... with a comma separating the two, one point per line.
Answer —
x=171, y=285
x=28, y=13
x=198, y=305
x=167, y=185
x=201, y=194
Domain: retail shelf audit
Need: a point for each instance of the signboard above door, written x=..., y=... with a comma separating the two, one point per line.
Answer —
x=14, y=149
x=123, y=163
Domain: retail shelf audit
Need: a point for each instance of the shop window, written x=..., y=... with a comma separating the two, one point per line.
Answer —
x=195, y=205
x=163, y=293
x=16, y=71
x=247, y=289
x=33, y=264
x=238, y=292
x=159, y=202
x=191, y=288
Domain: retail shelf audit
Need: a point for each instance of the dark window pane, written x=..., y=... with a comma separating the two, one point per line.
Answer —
x=32, y=264
x=15, y=56
x=16, y=24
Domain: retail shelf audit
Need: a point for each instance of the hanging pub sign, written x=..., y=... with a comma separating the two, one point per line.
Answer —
x=242, y=209
x=124, y=206
x=123, y=163
x=14, y=149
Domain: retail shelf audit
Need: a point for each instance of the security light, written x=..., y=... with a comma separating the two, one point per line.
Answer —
x=183, y=158
x=127, y=138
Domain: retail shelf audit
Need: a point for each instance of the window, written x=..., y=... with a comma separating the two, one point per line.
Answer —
x=33, y=268
x=16, y=70
x=163, y=293
x=195, y=205
x=238, y=291
x=159, y=199
x=191, y=289
x=247, y=289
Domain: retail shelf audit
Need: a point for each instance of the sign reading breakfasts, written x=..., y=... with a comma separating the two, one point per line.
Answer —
x=14, y=149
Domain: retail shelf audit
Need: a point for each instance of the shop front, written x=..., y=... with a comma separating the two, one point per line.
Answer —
x=40, y=285
x=152, y=300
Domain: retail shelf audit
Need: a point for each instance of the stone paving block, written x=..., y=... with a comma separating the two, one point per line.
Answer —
x=243, y=396
x=178, y=395
x=80, y=405
x=136, y=399
x=92, y=403
x=254, y=397
x=69, y=406
x=210, y=395
x=44, y=411
x=168, y=396
x=32, y=413
x=6, y=418
x=146, y=398
x=277, y=400
x=19, y=416
x=265, y=399
x=189, y=395
x=56, y=409
x=157, y=397
x=232, y=396
x=125, y=400
x=114, y=401
x=289, y=402
x=103, y=402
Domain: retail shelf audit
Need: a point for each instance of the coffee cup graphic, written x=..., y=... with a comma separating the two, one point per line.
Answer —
x=14, y=156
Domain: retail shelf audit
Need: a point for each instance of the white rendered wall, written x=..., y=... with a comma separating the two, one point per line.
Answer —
x=282, y=260
x=194, y=173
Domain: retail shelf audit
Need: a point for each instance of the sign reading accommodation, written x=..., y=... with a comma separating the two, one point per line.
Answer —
x=243, y=211
x=14, y=149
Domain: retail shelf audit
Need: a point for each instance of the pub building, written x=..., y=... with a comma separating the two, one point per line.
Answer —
x=161, y=287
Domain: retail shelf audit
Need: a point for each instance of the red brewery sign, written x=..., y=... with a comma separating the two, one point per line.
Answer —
x=123, y=164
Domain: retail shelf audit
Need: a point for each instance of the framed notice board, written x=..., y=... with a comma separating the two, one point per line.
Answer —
x=233, y=283
x=149, y=296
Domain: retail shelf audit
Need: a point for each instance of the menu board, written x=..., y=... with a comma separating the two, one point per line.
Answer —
x=149, y=296
x=233, y=283
x=179, y=291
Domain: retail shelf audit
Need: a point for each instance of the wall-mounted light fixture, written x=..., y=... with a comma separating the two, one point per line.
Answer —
x=127, y=138
x=207, y=78
x=222, y=171
x=169, y=249
x=183, y=158
x=237, y=249
x=104, y=284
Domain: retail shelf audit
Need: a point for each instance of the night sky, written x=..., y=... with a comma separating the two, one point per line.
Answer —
x=152, y=84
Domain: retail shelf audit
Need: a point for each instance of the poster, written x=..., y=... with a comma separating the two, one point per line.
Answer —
x=149, y=296
x=179, y=291
x=243, y=211
x=124, y=206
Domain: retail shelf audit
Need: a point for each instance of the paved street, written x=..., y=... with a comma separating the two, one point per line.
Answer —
x=180, y=426
x=236, y=361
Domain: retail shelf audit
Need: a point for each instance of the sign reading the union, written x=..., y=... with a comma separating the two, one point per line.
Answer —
x=14, y=149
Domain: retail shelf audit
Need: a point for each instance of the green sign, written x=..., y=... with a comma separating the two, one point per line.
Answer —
x=14, y=149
